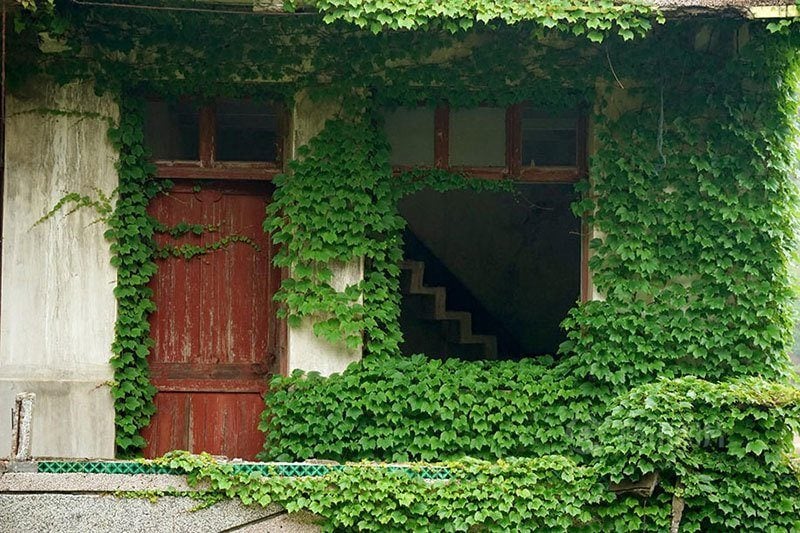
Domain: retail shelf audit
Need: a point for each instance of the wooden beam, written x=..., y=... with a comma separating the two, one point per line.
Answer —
x=218, y=171
x=208, y=133
x=441, y=142
x=514, y=139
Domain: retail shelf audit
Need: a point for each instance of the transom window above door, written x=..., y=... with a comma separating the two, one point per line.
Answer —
x=226, y=138
x=520, y=141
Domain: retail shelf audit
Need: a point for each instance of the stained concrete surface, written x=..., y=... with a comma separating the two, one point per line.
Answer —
x=101, y=513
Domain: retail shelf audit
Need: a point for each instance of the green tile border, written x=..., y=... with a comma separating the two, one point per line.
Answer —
x=280, y=469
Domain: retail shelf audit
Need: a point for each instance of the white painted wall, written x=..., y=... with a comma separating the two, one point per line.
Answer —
x=304, y=350
x=57, y=308
x=308, y=352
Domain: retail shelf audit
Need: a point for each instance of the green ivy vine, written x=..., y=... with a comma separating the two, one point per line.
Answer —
x=103, y=205
x=184, y=228
x=595, y=19
x=131, y=231
x=189, y=251
x=518, y=494
x=693, y=197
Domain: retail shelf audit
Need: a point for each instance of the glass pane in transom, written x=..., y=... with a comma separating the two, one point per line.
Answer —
x=172, y=130
x=548, y=140
x=409, y=131
x=247, y=130
x=478, y=137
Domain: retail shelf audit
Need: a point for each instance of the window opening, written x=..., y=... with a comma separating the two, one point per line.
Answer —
x=491, y=275
x=227, y=139
x=478, y=137
x=548, y=140
x=496, y=273
x=521, y=142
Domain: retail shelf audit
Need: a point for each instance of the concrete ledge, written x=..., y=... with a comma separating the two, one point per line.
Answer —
x=96, y=503
x=81, y=513
x=90, y=483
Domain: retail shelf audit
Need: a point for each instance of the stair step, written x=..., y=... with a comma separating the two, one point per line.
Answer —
x=416, y=286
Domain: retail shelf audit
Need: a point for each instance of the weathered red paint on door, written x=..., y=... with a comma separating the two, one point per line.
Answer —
x=214, y=327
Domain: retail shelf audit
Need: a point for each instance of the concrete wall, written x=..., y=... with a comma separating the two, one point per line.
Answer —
x=57, y=308
x=305, y=350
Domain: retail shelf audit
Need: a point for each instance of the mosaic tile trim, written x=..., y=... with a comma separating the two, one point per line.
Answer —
x=267, y=469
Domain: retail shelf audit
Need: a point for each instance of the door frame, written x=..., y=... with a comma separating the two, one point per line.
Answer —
x=207, y=168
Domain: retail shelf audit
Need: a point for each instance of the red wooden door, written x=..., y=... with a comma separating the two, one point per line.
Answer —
x=214, y=327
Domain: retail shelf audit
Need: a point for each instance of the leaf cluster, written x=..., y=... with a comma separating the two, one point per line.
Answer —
x=550, y=492
x=594, y=20
x=102, y=205
x=723, y=447
x=416, y=408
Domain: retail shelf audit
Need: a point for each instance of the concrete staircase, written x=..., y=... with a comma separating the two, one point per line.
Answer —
x=458, y=324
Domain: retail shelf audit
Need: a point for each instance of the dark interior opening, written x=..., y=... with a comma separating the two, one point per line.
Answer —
x=246, y=131
x=507, y=264
x=172, y=130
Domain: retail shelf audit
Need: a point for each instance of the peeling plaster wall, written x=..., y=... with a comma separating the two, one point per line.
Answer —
x=305, y=350
x=57, y=309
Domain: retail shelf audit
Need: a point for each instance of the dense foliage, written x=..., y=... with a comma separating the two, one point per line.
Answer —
x=578, y=17
x=401, y=409
x=338, y=221
x=723, y=447
x=693, y=200
x=694, y=434
x=520, y=494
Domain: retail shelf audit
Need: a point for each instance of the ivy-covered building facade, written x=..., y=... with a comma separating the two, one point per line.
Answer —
x=547, y=246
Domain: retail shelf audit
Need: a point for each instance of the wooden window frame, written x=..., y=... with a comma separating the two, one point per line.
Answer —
x=513, y=165
x=207, y=167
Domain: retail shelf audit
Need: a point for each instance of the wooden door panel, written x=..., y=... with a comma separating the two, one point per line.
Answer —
x=169, y=428
x=229, y=421
x=202, y=421
x=214, y=327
